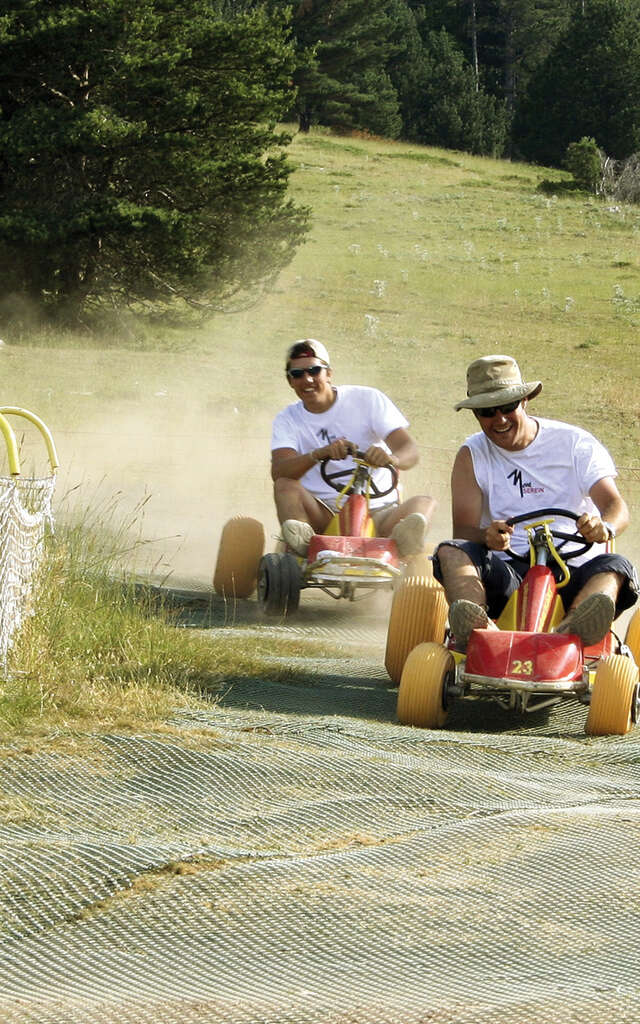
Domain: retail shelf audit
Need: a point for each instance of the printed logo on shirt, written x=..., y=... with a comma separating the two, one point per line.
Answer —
x=526, y=487
x=326, y=436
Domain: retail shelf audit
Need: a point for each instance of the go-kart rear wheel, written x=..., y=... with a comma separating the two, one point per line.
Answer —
x=279, y=584
x=632, y=639
x=612, y=711
x=239, y=553
x=422, y=693
x=418, y=614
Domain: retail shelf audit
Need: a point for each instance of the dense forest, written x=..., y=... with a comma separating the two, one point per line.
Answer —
x=141, y=159
x=523, y=78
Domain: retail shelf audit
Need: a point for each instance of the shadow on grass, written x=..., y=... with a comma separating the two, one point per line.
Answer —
x=311, y=687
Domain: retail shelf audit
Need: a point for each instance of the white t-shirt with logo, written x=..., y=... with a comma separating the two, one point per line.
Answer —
x=361, y=414
x=557, y=470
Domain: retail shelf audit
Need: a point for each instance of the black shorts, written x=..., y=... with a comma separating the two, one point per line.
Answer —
x=501, y=576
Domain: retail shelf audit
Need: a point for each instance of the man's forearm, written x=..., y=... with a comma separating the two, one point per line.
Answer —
x=296, y=466
x=616, y=514
x=405, y=457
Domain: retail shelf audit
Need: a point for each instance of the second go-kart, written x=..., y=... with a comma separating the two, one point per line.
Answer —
x=347, y=561
x=348, y=558
x=524, y=665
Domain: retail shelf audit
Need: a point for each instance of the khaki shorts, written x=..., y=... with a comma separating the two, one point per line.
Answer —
x=377, y=514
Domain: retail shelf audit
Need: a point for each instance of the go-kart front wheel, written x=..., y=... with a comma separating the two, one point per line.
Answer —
x=279, y=584
x=422, y=693
x=239, y=554
x=612, y=710
x=418, y=614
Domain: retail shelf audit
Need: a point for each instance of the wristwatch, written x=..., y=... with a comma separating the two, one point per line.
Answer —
x=610, y=528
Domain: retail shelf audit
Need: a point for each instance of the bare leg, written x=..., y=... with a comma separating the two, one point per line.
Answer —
x=293, y=501
x=460, y=576
x=465, y=593
x=420, y=503
x=608, y=583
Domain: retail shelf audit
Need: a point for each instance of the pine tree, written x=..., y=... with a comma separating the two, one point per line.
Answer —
x=588, y=86
x=139, y=162
x=515, y=38
x=448, y=107
x=341, y=76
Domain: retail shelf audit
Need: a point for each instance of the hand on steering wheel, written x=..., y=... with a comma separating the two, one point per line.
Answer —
x=561, y=539
x=337, y=480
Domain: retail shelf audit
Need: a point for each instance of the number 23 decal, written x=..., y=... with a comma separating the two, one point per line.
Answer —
x=522, y=668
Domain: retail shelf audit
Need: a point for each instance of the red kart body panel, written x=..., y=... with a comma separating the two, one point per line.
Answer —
x=354, y=536
x=535, y=600
x=353, y=519
x=524, y=656
x=382, y=548
x=525, y=649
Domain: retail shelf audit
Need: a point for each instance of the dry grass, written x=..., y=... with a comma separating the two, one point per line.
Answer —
x=102, y=652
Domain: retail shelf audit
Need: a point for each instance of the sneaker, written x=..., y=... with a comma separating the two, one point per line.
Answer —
x=410, y=534
x=591, y=620
x=297, y=535
x=465, y=616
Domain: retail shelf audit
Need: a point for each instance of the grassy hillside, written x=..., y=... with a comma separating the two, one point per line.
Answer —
x=419, y=260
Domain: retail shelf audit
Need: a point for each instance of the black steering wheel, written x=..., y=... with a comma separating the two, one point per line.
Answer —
x=337, y=479
x=563, y=538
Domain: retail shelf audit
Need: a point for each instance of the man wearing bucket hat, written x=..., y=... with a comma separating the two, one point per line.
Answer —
x=329, y=422
x=518, y=463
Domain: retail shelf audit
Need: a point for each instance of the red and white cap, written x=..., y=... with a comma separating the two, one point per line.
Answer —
x=307, y=347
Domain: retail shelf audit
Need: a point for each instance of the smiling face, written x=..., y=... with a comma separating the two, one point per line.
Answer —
x=313, y=389
x=509, y=430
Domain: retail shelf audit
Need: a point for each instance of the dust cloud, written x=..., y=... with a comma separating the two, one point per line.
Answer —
x=163, y=448
x=158, y=448
x=168, y=484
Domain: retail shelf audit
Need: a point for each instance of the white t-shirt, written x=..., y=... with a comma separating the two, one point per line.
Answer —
x=557, y=470
x=363, y=415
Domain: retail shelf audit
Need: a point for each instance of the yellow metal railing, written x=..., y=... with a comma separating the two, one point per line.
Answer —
x=10, y=438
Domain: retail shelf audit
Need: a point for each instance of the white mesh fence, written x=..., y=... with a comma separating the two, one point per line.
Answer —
x=25, y=513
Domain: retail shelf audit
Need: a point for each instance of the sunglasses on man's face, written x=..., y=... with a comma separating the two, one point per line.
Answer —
x=299, y=372
x=491, y=410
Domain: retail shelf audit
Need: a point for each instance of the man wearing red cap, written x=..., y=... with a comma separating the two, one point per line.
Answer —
x=517, y=463
x=332, y=422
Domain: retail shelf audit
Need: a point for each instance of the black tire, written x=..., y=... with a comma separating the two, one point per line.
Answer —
x=279, y=584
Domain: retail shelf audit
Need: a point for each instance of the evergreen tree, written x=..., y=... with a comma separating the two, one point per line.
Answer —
x=133, y=152
x=342, y=51
x=515, y=38
x=588, y=86
x=448, y=107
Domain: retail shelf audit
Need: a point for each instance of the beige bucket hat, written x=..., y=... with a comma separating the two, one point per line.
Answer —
x=496, y=380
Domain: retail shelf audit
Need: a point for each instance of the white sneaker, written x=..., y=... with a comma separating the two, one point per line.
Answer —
x=410, y=534
x=297, y=535
x=591, y=620
x=464, y=617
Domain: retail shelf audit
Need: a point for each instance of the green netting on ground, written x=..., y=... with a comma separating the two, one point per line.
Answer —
x=324, y=864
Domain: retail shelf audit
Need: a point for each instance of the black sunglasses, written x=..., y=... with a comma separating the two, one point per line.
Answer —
x=299, y=373
x=491, y=410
